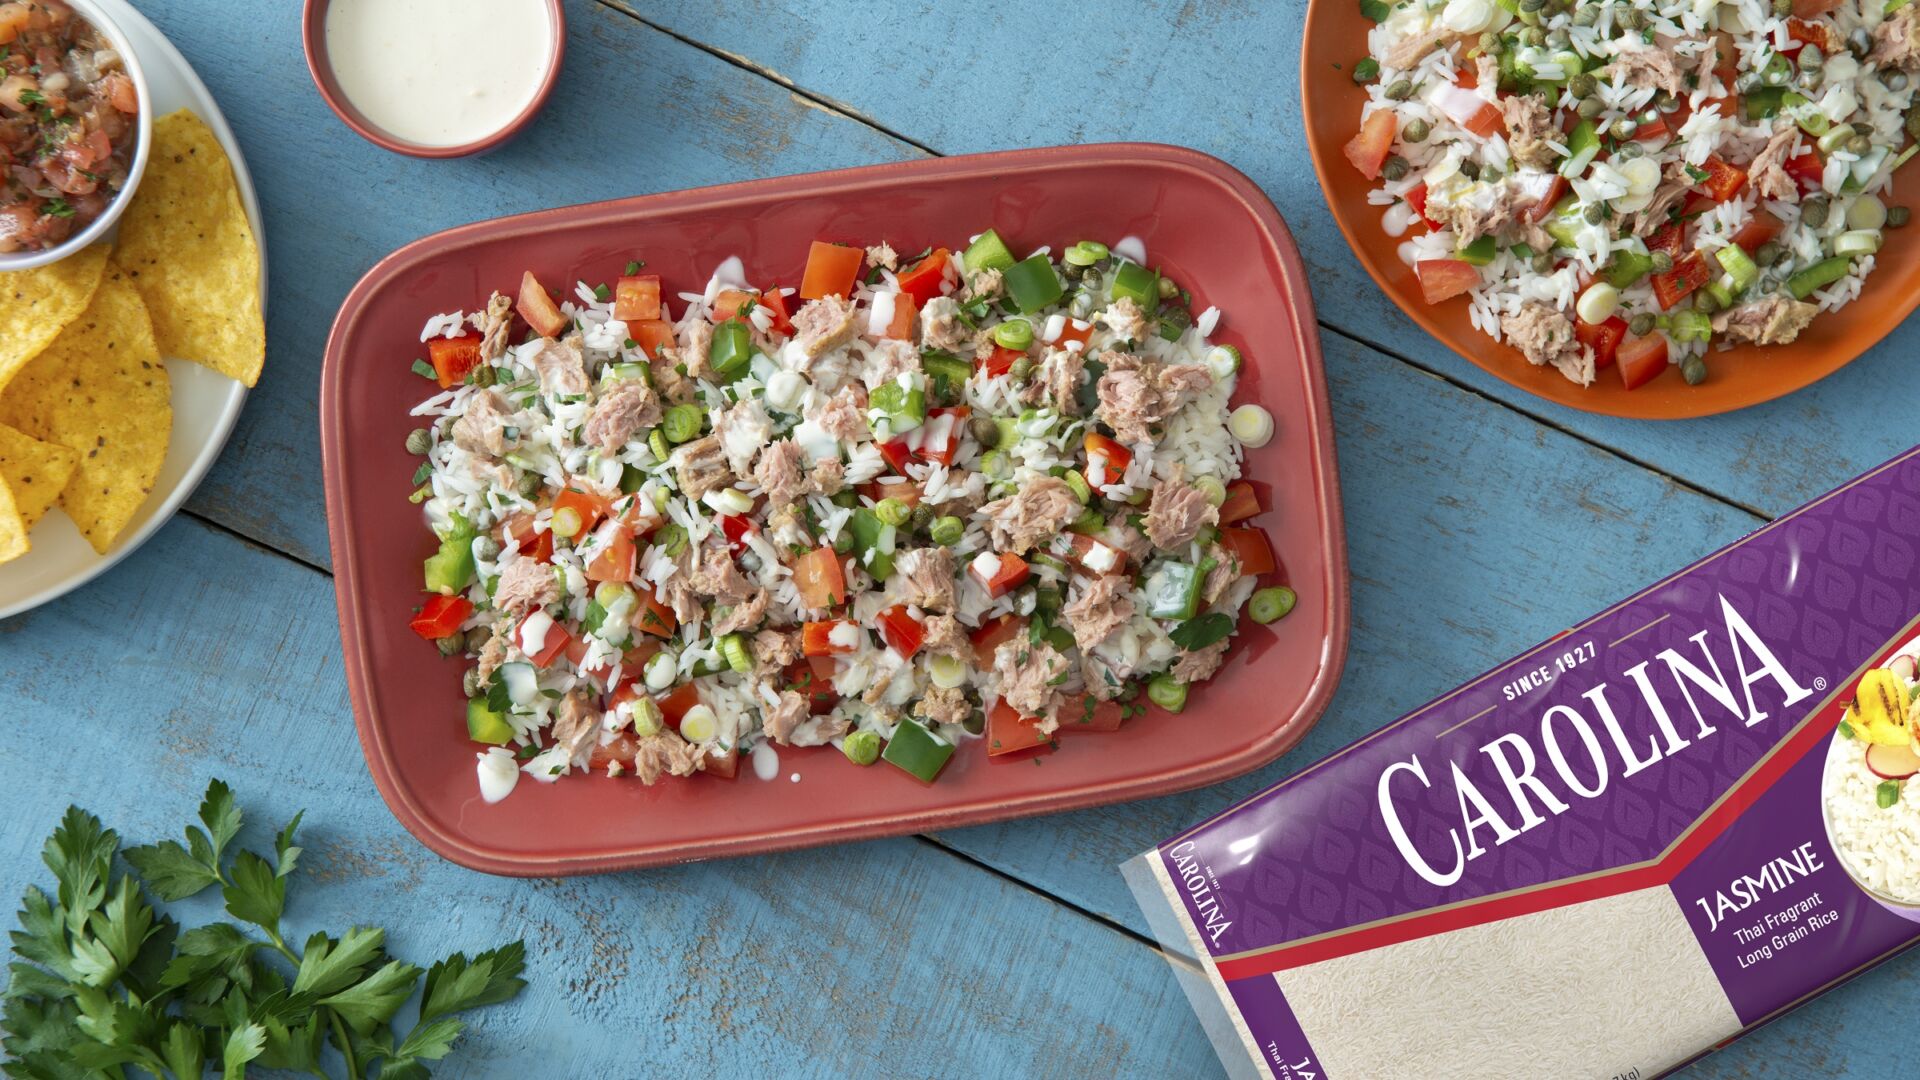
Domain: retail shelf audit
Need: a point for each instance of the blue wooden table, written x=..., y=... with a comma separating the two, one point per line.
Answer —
x=1479, y=520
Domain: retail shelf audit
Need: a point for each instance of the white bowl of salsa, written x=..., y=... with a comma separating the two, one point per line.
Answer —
x=91, y=122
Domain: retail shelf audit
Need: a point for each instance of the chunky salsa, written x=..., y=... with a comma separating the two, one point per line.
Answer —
x=67, y=123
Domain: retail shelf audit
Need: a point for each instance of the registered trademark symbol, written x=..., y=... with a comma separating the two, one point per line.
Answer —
x=1819, y=683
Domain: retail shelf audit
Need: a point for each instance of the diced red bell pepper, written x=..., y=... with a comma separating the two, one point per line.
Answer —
x=1001, y=359
x=518, y=530
x=1242, y=503
x=620, y=750
x=1649, y=132
x=736, y=528
x=651, y=335
x=614, y=554
x=1007, y=576
x=897, y=454
x=453, y=358
x=831, y=270
x=901, y=631
x=1808, y=170
x=637, y=299
x=1080, y=546
x=1107, y=460
x=653, y=617
x=940, y=441
x=820, y=578
x=677, y=703
x=723, y=762
x=1670, y=238
x=1444, y=279
x=924, y=279
x=1075, y=330
x=1089, y=713
x=1641, y=359
x=1251, y=547
x=775, y=302
x=901, y=327
x=1723, y=181
x=552, y=644
x=535, y=306
x=728, y=302
x=440, y=616
x=1803, y=32
x=1544, y=206
x=1603, y=338
x=816, y=638
x=905, y=491
x=1009, y=732
x=991, y=634
x=812, y=678
x=593, y=509
x=1759, y=229
x=1689, y=272
x=1368, y=148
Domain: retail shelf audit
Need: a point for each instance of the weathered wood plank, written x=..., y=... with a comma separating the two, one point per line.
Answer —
x=635, y=112
x=210, y=657
x=1223, y=78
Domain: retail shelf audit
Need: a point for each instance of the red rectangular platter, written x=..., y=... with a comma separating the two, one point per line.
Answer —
x=1203, y=222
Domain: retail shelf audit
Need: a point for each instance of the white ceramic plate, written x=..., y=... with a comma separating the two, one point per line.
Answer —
x=205, y=404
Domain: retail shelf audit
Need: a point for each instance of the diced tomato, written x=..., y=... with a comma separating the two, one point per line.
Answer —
x=621, y=750
x=991, y=634
x=593, y=509
x=831, y=270
x=1670, y=238
x=728, y=302
x=676, y=704
x=440, y=616
x=1726, y=66
x=1696, y=203
x=1074, y=330
x=1656, y=130
x=535, y=306
x=1808, y=170
x=1000, y=360
x=901, y=328
x=897, y=454
x=519, y=530
x=653, y=617
x=901, y=631
x=723, y=762
x=1107, y=460
x=1251, y=547
x=614, y=554
x=1759, y=229
x=923, y=280
x=816, y=638
x=1082, y=547
x=736, y=527
x=1242, y=503
x=941, y=438
x=1462, y=105
x=651, y=335
x=1689, y=273
x=639, y=515
x=1008, y=574
x=1369, y=148
x=1008, y=731
x=775, y=302
x=453, y=358
x=1804, y=31
x=1089, y=713
x=632, y=663
x=637, y=299
x=1723, y=180
x=1603, y=338
x=1641, y=359
x=820, y=578
x=1444, y=279
x=1538, y=211
x=1417, y=198
x=807, y=678
x=552, y=644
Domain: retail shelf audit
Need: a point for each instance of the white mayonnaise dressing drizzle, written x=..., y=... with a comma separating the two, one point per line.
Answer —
x=766, y=760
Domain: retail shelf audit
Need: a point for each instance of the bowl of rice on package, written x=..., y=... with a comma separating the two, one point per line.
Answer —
x=1617, y=852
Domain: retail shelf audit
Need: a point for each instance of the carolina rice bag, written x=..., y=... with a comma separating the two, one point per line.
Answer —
x=1624, y=848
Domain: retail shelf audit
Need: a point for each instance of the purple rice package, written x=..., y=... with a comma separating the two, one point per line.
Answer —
x=1622, y=849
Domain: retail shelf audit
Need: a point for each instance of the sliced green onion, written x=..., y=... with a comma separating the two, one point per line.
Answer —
x=699, y=724
x=566, y=522
x=1252, y=425
x=947, y=672
x=1270, y=604
x=1014, y=334
x=646, y=717
x=1167, y=692
x=682, y=422
x=734, y=648
x=948, y=531
x=861, y=747
x=1222, y=361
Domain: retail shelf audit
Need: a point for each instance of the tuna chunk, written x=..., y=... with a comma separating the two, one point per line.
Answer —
x=1413, y=48
x=943, y=706
x=1032, y=515
x=742, y=430
x=1136, y=394
x=673, y=387
x=984, y=285
x=494, y=652
x=924, y=578
x=525, y=584
x=1103, y=606
x=1768, y=169
x=773, y=650
x=1226, y=571
x=741, y=616
x=562, y=366
x=946, y=637
x=1123, y=537
x=1199, y=666
x=828, y=477
x=1896, y=42
x=1529, y=126
x=666, y=754
x=1027, y=673
x=620, y=414
x=844, y=415
x=823, y=325
x=1101, y=678
x=1775, y=320
x=1477, y=210
x=696, y=348
x=890, y=359
x=483, y=427
x=942, y=328
x=494, y=326
x=1057, y=380
x=780, y=474
x=1545, y=336
x=882, y=256
x=702, y=467
x=576, y=725
x=714, y=574
x=1653, y=67
x=1673, y=188
x=1126, y=320
x=779, y=721
x=1178, y=512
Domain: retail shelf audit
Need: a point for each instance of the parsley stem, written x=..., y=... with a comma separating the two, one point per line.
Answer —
x=346, y=1044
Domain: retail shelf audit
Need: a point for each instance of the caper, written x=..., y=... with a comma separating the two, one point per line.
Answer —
x=1624, y=128
x=1416, y=131
x=1859, y=144
x=1590, y=107
x=1543, y=264
x=1642, y=324
x=419, y=441
x=1395, y=168
x=1583, y=85
x=985, y=432
x=477, y=638
x=1782, y=8
x=1022, y=368
x=1170, y=288
x=1558, y=39
x=1470, y=170
x=922, y=516
x=1896, y=81
x=1913, y=123
x=1401, y=90
x=451, y=644
x=1662, y=262
x=1632, y=19
x=483, y=375
x=1629, y=151
x=529, y=484
x=486, y=548
x=1860, y=43
x=1768, y=253
x=1813, y=212
x=470, y=682
x=1811, y=59
x=1594, y=213
x=1694, y=371
x=1533, y=36
x=1586, y=15
x=1704, y=301
x=1898, y=216
x=1532, y=6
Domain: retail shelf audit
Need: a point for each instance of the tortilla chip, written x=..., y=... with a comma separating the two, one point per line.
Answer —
x=35, y=471
x=13, y=528
x=186, y=243
x=100, y=389
x=35, y=305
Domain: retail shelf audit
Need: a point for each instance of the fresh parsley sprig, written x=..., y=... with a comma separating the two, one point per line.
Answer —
x=102, y=979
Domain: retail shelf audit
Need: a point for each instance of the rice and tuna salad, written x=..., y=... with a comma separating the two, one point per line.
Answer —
x=1639, y=183
x=915, y=502
x=1873, y=807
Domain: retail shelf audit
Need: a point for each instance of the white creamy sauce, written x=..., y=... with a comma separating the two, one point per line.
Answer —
x=766, y=760
x=439, y=72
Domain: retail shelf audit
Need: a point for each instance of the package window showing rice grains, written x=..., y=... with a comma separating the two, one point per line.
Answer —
x=1622, y=849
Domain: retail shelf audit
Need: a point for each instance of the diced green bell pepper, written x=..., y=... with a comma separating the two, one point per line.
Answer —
x=989, y=252
x=900, y=408
x=1378, y=11
x=1692, y=326
x=731, y=351
x=1138, y=284
x=631, y=479
x=1032, y=284
x=1565, y=222
x=867, y=530
x=1583, y=145
x=1762, y=101
x=947, y=372
x=1480, y=252
x=917, y=750
x=1818, y=276
x=1628, y=267
x=450, y=570
x=485, y=725
x=1173, y=590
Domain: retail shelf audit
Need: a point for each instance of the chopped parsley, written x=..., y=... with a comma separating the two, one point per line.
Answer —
x=633, y=266
x=58, y=207
x=425, y=370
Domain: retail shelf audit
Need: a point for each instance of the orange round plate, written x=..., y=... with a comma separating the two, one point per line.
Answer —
x=1336, y=34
